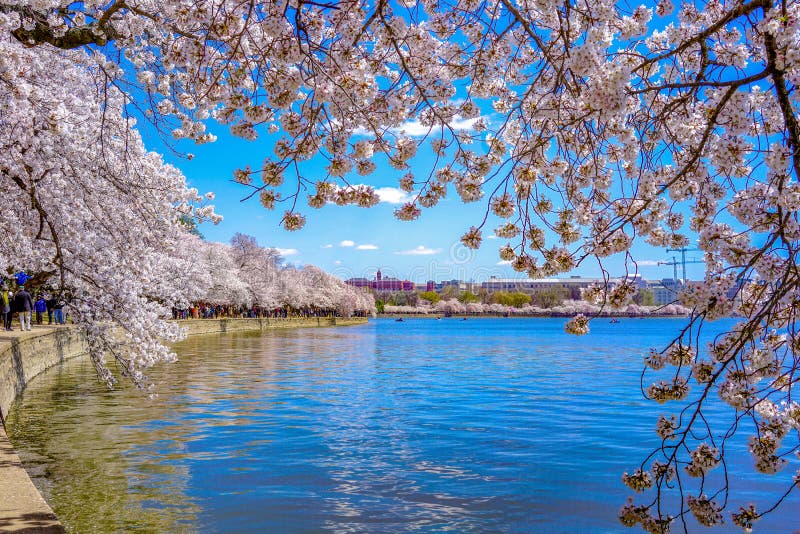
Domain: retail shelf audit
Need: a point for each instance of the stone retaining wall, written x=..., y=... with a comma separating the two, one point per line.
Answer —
x=216, y=326
x=25, y=355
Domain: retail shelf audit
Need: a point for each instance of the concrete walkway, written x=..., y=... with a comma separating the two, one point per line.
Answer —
x=22, y=508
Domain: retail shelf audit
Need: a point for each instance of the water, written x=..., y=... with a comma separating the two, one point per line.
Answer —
x=486, y=425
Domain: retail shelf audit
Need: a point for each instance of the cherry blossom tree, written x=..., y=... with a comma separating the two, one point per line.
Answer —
x=244, y=274
x=84, y=205
x=258, y=268
x=227, y=285
x=311, y=287
x=189, y=274
x=583, y=126
x=450, y=306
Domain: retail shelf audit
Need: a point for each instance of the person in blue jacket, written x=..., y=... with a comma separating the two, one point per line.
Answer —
x=40, y=306
x=22, y=278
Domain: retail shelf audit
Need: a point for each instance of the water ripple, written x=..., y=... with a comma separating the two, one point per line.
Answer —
x=422, y=426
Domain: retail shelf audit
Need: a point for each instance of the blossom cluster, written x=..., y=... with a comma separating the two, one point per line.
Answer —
x=703, y=459
x=663, y=391
x=705, y=510
x=578, y=325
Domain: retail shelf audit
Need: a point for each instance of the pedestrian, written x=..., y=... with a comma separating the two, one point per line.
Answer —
x=5, y=307
x=23, y=303
x=58, y=311
x=40, y=307
x=22, y=278
x=51, y=302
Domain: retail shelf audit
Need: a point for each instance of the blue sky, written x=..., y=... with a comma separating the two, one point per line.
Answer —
x=350, y=241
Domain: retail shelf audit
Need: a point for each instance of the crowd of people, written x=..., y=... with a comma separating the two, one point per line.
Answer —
x=25, y=305
x=215, y=311
x=17, y=296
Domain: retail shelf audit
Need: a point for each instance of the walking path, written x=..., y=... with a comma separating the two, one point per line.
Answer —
x=22, y=508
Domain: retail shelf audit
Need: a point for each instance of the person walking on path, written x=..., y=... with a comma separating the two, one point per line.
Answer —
x=5, y=307
x=40, y=306
x=24, y=304
x=51, y=302
x=58, y=311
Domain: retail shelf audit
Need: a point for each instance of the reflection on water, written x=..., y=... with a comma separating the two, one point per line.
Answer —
x=477, y=426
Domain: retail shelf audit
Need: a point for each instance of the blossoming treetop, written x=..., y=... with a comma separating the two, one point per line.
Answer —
x=609, y=124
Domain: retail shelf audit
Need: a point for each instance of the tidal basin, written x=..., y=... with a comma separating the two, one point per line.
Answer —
x=483, y=425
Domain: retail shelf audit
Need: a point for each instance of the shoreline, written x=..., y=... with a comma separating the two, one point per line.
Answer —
x=23, y=356
x=512, y=316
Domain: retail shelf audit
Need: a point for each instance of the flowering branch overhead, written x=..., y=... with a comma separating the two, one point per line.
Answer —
x=609, y=125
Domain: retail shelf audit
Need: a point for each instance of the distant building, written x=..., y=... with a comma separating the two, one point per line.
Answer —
x=635, y=279
x=665, y=291
x=532, y=285
x=382, y=284
x=740, y=283
x=458, y=284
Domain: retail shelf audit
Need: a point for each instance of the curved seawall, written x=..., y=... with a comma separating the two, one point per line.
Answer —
x=25, y=355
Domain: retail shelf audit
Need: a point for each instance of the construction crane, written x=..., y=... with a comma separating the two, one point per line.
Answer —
x=674, y=264
x=683, y=262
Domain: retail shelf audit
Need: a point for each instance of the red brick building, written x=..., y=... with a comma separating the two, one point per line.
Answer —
x=382, y=284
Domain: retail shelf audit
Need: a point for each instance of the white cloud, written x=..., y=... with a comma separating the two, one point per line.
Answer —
x=337, y=262
x=393, y=195
x=504, y=262
x=491, y=236
x=287, y=251
x=414, y=128
x=419, y=251
x=327, y=246
x=646, y=263
x=459, y=123
x=349, y=243
x=390, y=195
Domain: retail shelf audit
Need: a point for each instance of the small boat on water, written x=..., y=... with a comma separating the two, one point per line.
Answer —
x=614, y=321
x=400, y=320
